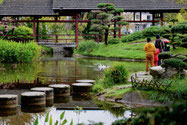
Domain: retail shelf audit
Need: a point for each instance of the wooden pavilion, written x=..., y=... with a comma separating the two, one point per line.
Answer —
x=57, y=8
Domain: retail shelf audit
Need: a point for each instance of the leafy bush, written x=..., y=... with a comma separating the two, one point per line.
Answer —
x=154, y=30
x=114, y=41
x=165, y=55
x=116, y=74
x=148, y=32
x=98, y=86
x=13, y=52
x=175, y=63
x=22, y=33
x=180, y=28
x=87, y=46
x=133, y=36
x=184, y=45
x=168, y=115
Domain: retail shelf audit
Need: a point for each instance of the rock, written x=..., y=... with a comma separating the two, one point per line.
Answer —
x=157, y=71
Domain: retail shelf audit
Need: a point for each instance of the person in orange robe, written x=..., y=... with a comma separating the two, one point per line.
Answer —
x=150, y=49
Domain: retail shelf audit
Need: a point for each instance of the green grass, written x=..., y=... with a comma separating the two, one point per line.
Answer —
x=122, y=50
x=179, y=50
x=132, y=50
x=117, y=93
x=1, y=1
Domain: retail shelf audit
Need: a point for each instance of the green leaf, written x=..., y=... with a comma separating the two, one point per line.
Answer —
x=51, y=120
x=56, y=123
x=47, y=117
x=64, y=122
x=36, y=121
x=71, y=122
x=62, y=115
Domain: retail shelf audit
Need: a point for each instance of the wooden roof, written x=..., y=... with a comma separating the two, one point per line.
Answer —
x=48, y=7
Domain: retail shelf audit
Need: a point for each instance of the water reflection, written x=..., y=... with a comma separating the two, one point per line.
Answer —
x=18, y=78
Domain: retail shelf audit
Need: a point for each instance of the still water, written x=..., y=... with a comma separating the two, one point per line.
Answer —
x=18, y=78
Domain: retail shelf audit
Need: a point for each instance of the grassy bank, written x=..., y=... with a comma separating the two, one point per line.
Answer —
x=133, y=50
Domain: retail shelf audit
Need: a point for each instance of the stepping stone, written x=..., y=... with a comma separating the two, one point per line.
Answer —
x=61, y=93
x=33, y=102
x=8, y=105
x=48, y=92
x=85, y=81
x=78, y=88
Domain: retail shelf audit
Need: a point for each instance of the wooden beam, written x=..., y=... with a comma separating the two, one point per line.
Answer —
x=37, y=30
x=162, y=19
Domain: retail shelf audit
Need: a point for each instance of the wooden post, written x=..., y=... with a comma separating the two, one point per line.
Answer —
x=140, y=16
x=56, y=38
x=37, y=30
x=134, y=16
x=76, y=30
x=119, y=32
x=34, y=29
x=162, y=18
x=153, y=18
x=98, y=39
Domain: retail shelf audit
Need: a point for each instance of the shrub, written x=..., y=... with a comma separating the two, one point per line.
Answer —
x=98, y=86
x=13, y=52
x=22, y=33
x=175, y=63
x=181, y=57
x=165, y=55
x=133, y=36
x=180, y=28
x=184, y=45
x=87, y=46
x=116, y=74
x=114, y=41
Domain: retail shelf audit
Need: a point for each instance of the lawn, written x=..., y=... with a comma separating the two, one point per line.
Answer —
x=133, y=50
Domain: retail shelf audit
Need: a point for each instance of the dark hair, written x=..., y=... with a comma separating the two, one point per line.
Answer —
x=148, y=39
x=157, y=36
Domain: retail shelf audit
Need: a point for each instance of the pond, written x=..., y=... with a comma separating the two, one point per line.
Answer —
x=18, y=78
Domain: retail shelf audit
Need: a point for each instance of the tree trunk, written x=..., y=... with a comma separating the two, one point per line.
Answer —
x=106, y=37
x=115, y=30
x=172, y=40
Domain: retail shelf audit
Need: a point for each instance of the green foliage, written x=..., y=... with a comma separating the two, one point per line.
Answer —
x=46, y=50
x=122, y=23
x=98, y=86
x=87, y=47
x=22, y=33
x=175, y=63
x=12, y=52
x=116, y=74
x=120, y=122
x=101, y=5
x=133, y=36
x=119, y=10
x=114, y=41
x=103, y=15
x=180, y=28
x=165, y=55
x=36, y=121
x=170, y=115
x=95, y=21
x=184, y=45
x=154, y=30
x=118, y=17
